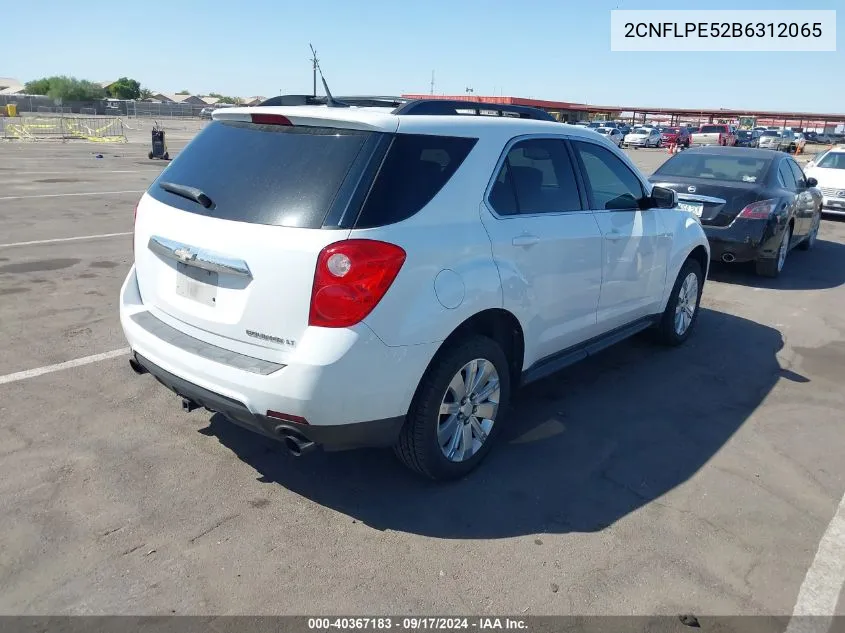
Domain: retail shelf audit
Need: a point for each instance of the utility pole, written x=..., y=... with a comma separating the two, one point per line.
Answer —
x=314, y=62
x=432, y=82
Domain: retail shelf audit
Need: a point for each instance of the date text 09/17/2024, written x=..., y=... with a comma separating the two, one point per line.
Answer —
x=416, y=624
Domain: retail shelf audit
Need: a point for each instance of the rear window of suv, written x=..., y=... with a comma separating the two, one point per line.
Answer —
x=298, y=176
x=263, y=174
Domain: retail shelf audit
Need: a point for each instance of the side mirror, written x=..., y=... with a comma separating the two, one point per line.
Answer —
x=812, y=182
x=663, y=198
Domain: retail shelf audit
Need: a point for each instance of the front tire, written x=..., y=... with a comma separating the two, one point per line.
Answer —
x=773, y=267
x=457, y=411
x=681, y=313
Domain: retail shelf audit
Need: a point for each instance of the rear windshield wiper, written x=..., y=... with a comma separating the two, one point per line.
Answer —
x=191, y=193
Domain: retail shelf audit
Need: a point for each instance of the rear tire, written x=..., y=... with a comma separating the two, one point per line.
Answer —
x=774, y=267
x=150, y=155
x=673, y=327
x=420, y=446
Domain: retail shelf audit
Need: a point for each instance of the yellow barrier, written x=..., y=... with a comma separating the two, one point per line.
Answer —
x=11, y=109
x=99, y=130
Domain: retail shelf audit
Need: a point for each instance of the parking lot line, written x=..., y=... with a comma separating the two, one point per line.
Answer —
x=823, y=583
x=40, y=371
x=61, y=195
x=86, y=172
x=65, y=239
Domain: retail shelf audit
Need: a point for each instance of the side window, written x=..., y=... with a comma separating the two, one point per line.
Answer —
x=536, y=177
x=610, y=183
x=785, y=176
x=416, y=168
x=799, y=175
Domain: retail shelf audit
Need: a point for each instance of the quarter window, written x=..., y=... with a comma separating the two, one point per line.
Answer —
x=610, y=183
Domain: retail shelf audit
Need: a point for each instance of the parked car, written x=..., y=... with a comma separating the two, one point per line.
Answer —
x=747, y=138
x=206, y=113
x=799, y=142
x=829, y=170
x=755, y=205
x=613, y=135
x=347, y=306
x=713, y=134
x=777, y=140
x=623, y=127
x=812, y=137
x=642, y=137
x=675, y=135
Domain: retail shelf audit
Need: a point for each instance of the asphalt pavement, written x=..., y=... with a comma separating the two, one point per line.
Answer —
x=643, y=481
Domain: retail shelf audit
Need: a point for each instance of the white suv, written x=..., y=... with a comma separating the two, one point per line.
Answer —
x=369, y=276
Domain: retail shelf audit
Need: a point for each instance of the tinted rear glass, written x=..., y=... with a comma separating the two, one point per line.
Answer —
x=731, y=168
x=415, y=169
x=709, y=129
x=264, y=174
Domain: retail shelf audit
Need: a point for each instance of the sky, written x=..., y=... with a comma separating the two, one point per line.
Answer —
x=547, y=49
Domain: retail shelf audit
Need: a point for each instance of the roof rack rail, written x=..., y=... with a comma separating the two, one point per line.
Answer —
x=446, y=107
x=361, y=101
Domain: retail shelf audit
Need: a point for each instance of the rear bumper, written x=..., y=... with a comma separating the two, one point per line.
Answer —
x=742, y=241
x=331, y=437
x=334, y=378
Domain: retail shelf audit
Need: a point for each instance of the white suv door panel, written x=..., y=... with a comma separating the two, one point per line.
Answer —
x=635, y=250
x=548, y=250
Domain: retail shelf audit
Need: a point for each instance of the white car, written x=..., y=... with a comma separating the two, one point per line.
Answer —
x=614, y=135
x=374, y=276
x=829, y=170
x=642, y=137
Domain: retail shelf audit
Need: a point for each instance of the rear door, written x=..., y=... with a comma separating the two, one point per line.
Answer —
x=547, y=247
x=227, y=238
x=635, y=253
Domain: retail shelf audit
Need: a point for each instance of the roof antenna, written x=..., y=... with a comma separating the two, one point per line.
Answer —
x=330, y=100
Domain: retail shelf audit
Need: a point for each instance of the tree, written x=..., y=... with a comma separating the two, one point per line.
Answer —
x=62, y=88
x=125, y=88
x=145, y=94
x=184, y=92
x=37, y=87
x=225, y=99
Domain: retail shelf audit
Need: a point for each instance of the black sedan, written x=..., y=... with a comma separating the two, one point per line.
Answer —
x=754, y=205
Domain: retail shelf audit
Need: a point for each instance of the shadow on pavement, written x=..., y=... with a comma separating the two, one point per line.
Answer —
x=822, y=267
x=582, y=449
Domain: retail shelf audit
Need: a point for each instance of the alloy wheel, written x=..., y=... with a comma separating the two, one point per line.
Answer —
x=687, y=304
x=468, y=410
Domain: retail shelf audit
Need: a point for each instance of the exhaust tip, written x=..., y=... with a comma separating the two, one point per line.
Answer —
x=137, y=367
x=293, y=446
x=728, y=258
x=296, y=445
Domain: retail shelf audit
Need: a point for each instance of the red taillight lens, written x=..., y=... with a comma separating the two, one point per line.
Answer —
x=351, y=278
x=269, y=119
x=286, y=417
x=758, y=210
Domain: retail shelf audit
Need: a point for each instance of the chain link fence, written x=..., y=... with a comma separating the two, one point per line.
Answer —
x=105, y=107
x=63, y=128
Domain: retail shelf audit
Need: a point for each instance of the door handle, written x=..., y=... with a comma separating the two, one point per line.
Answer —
x=525, y=240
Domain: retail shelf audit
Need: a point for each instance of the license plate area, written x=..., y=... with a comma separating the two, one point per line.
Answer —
x=693, y=207
x=197, y=284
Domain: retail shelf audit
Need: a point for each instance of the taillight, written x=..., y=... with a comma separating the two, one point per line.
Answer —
x=269, y=119
x=759, y=210
x=351, y=278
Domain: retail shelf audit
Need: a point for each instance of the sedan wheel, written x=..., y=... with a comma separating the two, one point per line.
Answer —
x=772, y=267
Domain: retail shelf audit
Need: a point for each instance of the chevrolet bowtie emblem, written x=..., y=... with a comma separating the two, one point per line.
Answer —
x=184, y=254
